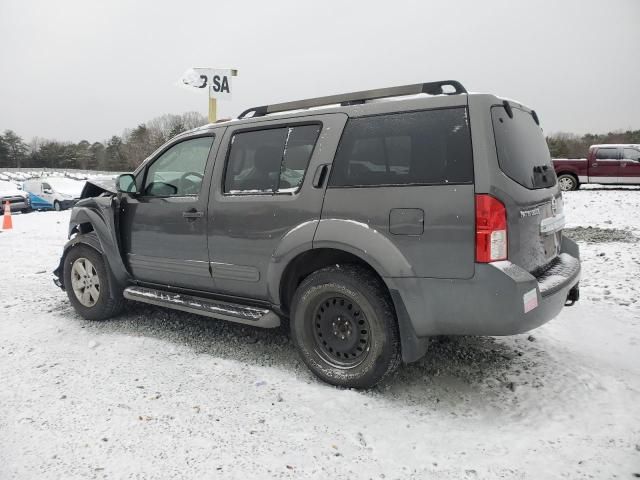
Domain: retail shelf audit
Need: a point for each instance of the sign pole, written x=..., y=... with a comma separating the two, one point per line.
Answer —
x=213, y=107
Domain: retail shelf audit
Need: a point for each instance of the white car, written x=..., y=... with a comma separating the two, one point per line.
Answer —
x=58, y=193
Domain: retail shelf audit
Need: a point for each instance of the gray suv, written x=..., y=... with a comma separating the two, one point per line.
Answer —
x=369, y=221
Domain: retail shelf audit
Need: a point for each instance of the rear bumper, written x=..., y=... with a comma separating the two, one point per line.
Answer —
x=500, y=299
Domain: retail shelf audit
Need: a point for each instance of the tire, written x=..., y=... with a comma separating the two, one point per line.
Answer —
x=568, y=182
x=100, y=306
x=344, y=326
x=56, y=206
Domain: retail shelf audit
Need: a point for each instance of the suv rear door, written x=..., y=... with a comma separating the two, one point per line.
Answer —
x=263, y=189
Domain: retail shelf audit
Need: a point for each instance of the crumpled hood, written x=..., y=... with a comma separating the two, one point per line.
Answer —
x=99, y=185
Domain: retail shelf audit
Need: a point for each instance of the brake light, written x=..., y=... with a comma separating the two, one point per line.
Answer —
x=491, y=229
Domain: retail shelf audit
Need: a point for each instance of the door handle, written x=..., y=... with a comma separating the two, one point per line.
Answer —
x=192, y=214
x=594, y=164
x=320, y=176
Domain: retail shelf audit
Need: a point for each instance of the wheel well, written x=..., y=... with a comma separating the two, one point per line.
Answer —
x=308, y=262
x=82, y=228
x=568, y=173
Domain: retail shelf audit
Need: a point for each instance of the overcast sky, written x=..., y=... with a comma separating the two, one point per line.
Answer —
x=82, y=69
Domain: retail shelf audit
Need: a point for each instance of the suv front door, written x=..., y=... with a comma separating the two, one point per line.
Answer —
x=267, y=183
x=164, y=225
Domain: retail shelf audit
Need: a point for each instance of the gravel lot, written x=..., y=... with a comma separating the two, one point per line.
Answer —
x=162, y=394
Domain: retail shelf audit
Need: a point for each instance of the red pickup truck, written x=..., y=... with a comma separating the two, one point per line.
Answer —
x=612, y=164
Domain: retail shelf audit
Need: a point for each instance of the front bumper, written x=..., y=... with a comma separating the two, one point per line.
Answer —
x=500, y=299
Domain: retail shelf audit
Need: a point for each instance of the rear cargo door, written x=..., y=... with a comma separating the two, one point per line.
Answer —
x=528, y=188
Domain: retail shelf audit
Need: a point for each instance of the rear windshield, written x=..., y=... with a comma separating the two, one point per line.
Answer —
x=523, y=154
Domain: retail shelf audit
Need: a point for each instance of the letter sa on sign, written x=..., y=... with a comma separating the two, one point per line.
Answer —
x=217, y=81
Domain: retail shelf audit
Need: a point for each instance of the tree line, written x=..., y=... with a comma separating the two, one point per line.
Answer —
x=119, y=153
x=126, y=152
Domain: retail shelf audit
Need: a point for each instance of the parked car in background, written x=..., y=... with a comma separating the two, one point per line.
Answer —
x=611, y=164
x=18, y=199
x=58, y=193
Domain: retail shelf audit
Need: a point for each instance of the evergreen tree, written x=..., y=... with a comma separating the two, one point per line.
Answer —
x=4, y=151
x=16, y=149
x=115, y=156
x=98, y=157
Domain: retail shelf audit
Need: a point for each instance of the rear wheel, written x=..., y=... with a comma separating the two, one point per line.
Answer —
x=567, y=182
x=345, y=328
x=87, y=284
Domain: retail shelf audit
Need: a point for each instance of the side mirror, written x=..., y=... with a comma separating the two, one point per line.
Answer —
x=47, y=191
x=126, y=183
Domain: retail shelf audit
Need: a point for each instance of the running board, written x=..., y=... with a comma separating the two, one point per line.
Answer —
x=233, y=312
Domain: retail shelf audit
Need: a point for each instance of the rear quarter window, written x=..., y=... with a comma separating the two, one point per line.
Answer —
x=413, y=148
x=523, y=154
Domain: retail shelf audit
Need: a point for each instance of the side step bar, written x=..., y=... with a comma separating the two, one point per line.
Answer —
x=233, y=312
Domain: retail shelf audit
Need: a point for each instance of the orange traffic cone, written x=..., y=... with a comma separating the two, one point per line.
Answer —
x=6, y=221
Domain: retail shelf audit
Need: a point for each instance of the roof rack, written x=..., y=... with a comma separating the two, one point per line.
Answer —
x=356, y=98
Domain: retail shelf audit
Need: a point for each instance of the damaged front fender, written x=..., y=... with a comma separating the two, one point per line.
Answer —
x=94, y=222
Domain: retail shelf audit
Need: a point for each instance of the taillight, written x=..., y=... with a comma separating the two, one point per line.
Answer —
x=491, y=229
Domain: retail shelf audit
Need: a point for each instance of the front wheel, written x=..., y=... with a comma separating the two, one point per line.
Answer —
x=87, y=284
x=57, y=206
x=344, y=326
x=567, y=182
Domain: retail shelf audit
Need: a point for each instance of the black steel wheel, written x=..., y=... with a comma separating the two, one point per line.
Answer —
x=344, y=326
x=341, y=331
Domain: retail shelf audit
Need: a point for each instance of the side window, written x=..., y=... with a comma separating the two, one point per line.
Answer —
x=607, y=154
x=45, y=186
x=632, y=154
x=179, y=170
x=269, y=161
x=422, y=148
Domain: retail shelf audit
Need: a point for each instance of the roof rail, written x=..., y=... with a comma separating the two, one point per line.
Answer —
x=356, y=98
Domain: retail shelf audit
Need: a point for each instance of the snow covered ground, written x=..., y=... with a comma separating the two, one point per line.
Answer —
x=163, y=394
